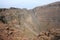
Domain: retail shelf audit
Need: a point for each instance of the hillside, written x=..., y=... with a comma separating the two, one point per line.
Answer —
x=24, y=24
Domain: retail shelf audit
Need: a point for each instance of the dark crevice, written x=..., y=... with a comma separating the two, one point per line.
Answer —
x=2, y=19
x=3, y=9
x=57, y=38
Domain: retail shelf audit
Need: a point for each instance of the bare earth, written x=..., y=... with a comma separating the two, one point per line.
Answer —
x=39, y=23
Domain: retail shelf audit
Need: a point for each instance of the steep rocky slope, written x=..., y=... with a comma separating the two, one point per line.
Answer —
x=48, y=15
x=24, y=24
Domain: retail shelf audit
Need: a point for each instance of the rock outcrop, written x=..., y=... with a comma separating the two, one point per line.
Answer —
x=52, y=34
x=24, y=24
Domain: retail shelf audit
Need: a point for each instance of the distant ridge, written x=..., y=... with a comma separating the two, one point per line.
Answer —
x=51, y=4
x=24, y=24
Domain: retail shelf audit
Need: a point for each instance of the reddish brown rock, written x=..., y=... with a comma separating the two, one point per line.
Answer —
x=24, y=24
